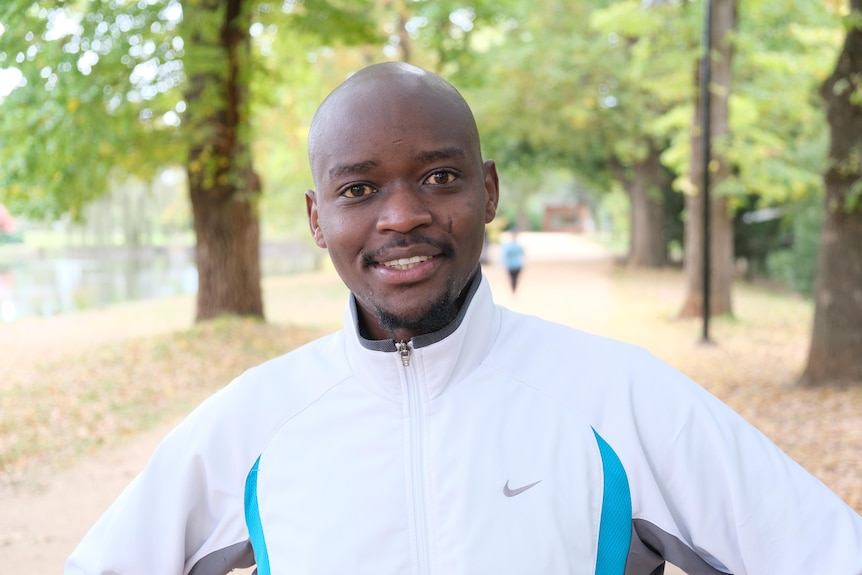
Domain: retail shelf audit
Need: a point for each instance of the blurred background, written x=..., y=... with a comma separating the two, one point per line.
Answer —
x=133, y=131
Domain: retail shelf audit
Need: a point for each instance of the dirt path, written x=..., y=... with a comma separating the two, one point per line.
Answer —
x=40, y=526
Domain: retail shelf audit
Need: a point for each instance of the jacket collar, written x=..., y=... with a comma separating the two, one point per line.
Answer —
x=420, y=340
x=437, y=360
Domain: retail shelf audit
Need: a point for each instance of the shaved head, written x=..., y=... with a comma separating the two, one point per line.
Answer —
x=401, y=196
x=388, y=86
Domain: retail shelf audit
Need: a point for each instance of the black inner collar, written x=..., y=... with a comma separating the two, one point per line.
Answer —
x=426, y=338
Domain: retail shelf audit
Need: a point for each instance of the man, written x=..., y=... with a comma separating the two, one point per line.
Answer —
x=439, y=433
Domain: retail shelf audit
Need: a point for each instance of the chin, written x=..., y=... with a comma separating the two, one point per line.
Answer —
x=426, y=320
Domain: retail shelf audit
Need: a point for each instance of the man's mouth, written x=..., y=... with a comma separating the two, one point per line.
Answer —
x=405, y=263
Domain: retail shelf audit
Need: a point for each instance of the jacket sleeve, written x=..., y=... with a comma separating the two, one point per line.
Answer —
x=187, y=503
x=712, y=492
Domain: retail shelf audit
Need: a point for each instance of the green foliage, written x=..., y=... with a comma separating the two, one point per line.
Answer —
x=614, y=221
x=778, y=145
x=854, y=197
x=106, y=86
x=98, y=79
x=796, y=267
x=587, y=86
x=852, y=21
x=450, y=35
x=595, y=85
x=849, y=168
x=535, y=108
x=345, y=22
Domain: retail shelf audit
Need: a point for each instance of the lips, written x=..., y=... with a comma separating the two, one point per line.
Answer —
x=405, y=252
x=405, y=263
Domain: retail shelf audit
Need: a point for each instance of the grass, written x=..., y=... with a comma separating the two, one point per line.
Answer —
x=84, y=401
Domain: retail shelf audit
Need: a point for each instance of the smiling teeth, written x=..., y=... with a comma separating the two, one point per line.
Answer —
x=405, y=263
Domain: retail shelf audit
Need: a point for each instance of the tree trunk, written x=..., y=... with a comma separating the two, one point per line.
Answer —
x=835, y=355
x=722, y=269
x=223, y=186
x=645, y=183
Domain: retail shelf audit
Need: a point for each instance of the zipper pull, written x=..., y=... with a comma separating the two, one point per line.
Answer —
x=404, y=352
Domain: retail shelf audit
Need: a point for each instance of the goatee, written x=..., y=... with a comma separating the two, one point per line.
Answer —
x=438, y=315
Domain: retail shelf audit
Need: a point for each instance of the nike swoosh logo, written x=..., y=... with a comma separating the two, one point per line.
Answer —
x=513, y=492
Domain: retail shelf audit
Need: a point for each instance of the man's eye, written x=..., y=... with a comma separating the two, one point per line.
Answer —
x=440, y=177
x=358, y=191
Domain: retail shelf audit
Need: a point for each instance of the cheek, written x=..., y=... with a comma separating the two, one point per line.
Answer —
x=341, y=234
x=468, y=220
x=329, y=222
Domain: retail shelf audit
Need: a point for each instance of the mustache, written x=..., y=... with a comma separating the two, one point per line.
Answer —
x=414, y=239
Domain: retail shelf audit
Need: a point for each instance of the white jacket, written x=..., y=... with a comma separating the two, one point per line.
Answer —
x=504, y=444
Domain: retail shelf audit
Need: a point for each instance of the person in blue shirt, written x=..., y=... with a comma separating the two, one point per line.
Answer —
x=512, y=256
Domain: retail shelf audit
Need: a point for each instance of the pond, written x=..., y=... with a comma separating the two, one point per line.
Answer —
x=36, y=283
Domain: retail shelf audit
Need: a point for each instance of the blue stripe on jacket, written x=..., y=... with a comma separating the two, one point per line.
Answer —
x=615, y=529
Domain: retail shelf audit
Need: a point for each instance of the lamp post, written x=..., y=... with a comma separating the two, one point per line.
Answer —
x=706, y=139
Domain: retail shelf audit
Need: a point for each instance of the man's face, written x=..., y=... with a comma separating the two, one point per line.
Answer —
x=401, y=203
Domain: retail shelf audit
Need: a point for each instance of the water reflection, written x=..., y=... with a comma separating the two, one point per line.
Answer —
x=34, y=284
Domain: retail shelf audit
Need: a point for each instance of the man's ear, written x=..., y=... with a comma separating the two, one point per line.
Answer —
x=492, y=189
x=313, y=221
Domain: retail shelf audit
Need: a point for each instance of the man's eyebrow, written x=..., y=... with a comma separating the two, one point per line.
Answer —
x=442, y=154
x=342, y=169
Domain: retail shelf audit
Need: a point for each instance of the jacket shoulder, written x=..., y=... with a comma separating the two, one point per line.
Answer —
x=285, y=384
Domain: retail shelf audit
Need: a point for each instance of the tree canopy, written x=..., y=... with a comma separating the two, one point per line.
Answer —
x=103, y=81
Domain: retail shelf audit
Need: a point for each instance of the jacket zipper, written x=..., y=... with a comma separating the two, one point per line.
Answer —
x=414, y=405
x=404, y=352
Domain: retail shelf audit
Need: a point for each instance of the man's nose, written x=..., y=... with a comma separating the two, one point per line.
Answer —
x=404, y=208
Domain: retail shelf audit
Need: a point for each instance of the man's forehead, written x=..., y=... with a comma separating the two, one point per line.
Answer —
x=421, y=124
x=401, y=102
x=390, y=105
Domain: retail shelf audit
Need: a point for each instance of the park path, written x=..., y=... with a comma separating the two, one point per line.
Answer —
x=38, y=528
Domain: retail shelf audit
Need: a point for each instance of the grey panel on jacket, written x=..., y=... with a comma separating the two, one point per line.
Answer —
x=223, y=561
x=651, y=547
